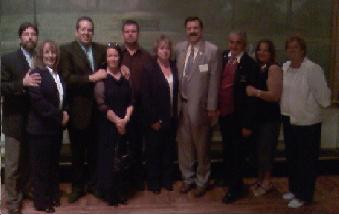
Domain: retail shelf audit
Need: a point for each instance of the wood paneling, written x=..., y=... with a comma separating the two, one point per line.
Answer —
x=326, y=201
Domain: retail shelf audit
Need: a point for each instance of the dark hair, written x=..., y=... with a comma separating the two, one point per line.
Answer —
x=117, y=47
x=26, y=25
x=299, y=40
x=194, y=18
x=158, y=41
x=271, y=49
x=84, y=18
x=130, y=22
x=38, y=59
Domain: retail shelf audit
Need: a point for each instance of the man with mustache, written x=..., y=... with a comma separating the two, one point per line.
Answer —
x=15, y=78
x=197, y=62
x=79, y=63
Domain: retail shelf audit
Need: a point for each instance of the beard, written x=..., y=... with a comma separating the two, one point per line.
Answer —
x=29, y=46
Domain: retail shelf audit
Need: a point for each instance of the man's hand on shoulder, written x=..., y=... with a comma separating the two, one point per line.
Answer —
x=98, y=75
x=31, y=80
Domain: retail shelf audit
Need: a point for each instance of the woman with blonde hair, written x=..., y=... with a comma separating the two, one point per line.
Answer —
x=46, y=119
x=159, y=100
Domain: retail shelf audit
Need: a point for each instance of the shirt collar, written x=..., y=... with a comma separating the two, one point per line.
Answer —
x=26, y=53
x=86, y=49
x=51, y=71
x=195, y=46
x=238, y=57
x=124, y=49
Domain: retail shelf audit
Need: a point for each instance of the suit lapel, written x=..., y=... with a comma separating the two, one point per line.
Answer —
x=23, y=62
x=81, y=56
x=96, y=55
x=181, y=59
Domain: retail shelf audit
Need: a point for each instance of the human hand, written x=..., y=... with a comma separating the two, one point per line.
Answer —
x=245, y=132
x=251, y=91
x=121, y=126
x=111, y=116
x=31, y=80
x=65, y=118
x=156, y=126
x=125, y=71
x=98, y=75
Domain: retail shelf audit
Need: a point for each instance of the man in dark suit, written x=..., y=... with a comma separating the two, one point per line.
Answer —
x=15, y=78
x=79, y=62
x=237, y=110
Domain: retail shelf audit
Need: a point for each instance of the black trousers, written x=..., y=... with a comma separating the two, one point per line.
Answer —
x=137, y=131
x=44, y=154
x=84, y=149
x=235, y=150
x=302, y=146
x=160, y=148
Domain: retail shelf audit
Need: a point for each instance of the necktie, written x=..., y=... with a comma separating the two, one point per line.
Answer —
x=90, y=59
x=188, y=72
x=189, y=64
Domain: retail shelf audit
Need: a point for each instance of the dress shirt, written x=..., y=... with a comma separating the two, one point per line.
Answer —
x=170, y=82
x=238, y=57
x=89, y=54
x=305, y=93
x=28, y=56
x=135, y=63
x=56, y=78
x=196, y=49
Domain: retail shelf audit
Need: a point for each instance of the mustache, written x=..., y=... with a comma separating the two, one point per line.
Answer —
x=193, y=34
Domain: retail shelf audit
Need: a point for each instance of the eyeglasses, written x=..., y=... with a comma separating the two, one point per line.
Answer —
x=113, y=45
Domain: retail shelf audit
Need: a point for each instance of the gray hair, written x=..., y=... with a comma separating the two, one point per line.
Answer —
x=242, y=34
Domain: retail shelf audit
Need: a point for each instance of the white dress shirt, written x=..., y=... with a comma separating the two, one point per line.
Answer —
x=28, y=56
x=196, y=49
x=305, y=93
x=56, y=78
x=169, y=80
x=238, y=57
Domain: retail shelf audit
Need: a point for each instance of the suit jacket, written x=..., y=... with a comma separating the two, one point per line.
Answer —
x=75, y=69
x=15, y=100
x=246, y=74
x=203, y=82
x=44, y=116
x=156, y=98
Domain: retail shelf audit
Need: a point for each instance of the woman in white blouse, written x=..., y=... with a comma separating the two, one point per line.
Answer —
x=305, y=94
x=159, y=100
x=47, y=116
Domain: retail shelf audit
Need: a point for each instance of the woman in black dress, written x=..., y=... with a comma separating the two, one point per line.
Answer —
x=268, y=93
x=114, y=99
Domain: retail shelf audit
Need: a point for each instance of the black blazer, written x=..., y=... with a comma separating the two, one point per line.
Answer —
x=75, y=69
x=245, y=107
x=15, y=100
x=45, y=117
x=156, y=94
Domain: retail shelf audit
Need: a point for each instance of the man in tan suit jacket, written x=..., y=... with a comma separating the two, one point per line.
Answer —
x=197, y=62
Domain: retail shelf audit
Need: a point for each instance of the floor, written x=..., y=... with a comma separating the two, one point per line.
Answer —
x=326, y=201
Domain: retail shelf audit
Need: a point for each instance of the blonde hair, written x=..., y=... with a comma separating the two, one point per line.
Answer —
x=162, y=39
x=38, y=59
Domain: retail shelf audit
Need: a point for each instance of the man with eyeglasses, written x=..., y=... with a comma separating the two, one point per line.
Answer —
x=15, y=78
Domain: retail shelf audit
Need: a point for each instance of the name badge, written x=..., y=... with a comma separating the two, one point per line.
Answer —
x=203, y=68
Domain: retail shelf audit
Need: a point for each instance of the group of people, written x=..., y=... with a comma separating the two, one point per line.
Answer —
x=119, y=100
